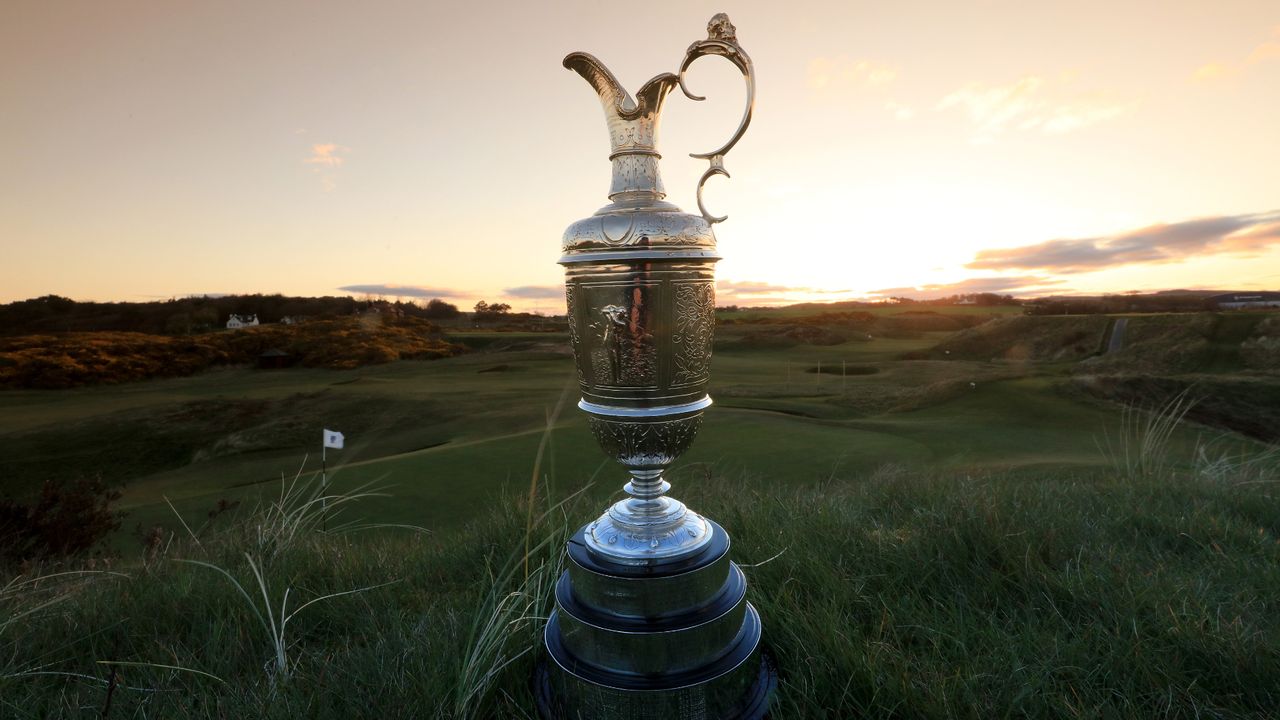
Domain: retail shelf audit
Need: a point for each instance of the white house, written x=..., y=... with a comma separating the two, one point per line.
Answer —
x=241, y=321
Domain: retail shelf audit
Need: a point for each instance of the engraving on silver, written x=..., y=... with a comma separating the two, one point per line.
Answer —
x=695, y=328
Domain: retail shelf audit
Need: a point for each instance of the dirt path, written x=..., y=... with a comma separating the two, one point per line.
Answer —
x=1116, y=340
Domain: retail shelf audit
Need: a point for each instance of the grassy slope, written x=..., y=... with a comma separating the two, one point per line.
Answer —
x=1064, y=594
x=447, y=437
x=996, y=567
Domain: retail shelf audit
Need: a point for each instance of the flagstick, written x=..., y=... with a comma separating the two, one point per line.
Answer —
x=324, y=488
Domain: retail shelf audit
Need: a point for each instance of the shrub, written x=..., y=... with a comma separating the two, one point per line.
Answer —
x=66, y=519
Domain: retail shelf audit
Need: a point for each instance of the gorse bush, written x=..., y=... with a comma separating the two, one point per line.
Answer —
x=90, y=358
x=63, y=520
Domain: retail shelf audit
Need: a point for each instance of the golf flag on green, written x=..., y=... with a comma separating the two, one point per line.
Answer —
x=333, y=439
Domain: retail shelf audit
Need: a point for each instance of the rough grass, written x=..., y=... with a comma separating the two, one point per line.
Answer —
x=1054, y=594
x=1026, y=339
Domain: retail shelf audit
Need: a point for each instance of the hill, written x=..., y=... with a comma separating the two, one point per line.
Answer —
x=891, y=593
x=76, y=359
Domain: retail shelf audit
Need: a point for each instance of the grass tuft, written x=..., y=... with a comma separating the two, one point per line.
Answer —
x=1141, y=446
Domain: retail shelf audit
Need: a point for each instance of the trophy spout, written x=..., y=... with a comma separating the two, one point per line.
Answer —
x=633, y=128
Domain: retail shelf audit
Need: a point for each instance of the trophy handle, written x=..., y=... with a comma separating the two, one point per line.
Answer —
x=721, y=40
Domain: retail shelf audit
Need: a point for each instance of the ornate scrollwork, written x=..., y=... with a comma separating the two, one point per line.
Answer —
x=722, y=40
x=575, y=342
x=695, y=329
x=645, y=444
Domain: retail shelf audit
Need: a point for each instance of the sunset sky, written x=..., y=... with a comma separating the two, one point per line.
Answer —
x=419, y=149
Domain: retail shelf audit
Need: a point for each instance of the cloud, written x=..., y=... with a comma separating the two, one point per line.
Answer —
x=535, y=292
x=327, y=154
x=1236, y=234
x=393, y=290
x=992, y=284
x=758, y=291
x=1263, y=52
x=845, y=73
x=326, y=159
x=900, y=111
x=1211, y=71
x=1030, y=103
x=1074, y=116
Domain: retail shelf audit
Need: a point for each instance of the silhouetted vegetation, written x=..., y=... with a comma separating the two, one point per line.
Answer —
x=63, y=520
x=438, y=309
x=191, y=315
x=1175, y=301
x=486, y=313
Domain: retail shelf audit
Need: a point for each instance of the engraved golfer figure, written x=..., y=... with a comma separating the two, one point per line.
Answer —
x=612, y=337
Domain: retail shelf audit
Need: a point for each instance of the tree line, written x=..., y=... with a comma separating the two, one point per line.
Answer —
x=190, y=315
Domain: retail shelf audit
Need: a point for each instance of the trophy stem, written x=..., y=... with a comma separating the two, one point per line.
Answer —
x=646, y=489
x=648, y=527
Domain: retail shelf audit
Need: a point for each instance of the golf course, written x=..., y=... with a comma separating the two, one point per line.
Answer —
x=944, y=512
x=444, y=439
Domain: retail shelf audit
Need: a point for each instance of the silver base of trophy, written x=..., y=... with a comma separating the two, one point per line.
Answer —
x=642, y=531
x=676, y=640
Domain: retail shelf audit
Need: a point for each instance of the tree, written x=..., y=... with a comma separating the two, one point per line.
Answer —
x=484, y=308
x=438, y=309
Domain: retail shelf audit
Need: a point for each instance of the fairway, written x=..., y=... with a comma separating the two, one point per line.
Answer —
x=445, y=439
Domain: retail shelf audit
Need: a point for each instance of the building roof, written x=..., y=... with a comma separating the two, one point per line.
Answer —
x=1260, y=296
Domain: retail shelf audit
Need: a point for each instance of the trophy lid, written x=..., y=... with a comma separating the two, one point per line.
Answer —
x=638, y=224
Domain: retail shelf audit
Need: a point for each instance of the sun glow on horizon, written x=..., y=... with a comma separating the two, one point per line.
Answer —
x=291, y=150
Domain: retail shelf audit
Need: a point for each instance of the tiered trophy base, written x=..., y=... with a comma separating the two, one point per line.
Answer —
x=667, y=641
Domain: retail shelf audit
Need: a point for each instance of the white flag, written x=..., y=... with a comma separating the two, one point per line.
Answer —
x=333, y=439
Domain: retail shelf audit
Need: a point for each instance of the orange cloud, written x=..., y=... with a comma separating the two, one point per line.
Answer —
x=1263, y=52
x=326, y=159
x=327, y=154
x=1247, y=234
x=1211, y=71
x=1023, y=284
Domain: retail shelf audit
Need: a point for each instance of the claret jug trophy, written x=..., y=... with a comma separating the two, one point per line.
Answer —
x=651, y=618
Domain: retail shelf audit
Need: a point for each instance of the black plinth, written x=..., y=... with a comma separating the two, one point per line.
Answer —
x=674, y=641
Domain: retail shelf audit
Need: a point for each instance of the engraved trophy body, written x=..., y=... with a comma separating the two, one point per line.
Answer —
x=651, y=616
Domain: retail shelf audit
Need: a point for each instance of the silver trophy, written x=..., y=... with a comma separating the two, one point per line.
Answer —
x=651, y=616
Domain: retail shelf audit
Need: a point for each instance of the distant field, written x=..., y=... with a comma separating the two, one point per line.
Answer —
x=882, y=310
x=451, y=436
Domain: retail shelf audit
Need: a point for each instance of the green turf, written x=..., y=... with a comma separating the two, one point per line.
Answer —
x=449, y=436
x=1055, y=594
x=951, y=535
